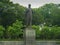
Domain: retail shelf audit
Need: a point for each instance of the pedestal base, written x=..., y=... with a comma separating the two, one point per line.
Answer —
x=29, y=36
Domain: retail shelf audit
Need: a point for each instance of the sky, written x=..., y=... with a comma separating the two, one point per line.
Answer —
x=35, y=3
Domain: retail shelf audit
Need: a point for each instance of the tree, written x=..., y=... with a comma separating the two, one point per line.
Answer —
x=20, y=12
x=15, y=30
x=55, y=16
x=7, y=14
x=46, y=13
x=1, y=31
x=5, y=1
x=37, y=18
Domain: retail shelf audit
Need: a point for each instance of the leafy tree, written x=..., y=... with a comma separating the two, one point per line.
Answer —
x=37, y=18
x=46, y=13
x=15, y=30
x=2, y=31
x=5, y=1
x=20, y=12
x=55, y=16
x=7, y=14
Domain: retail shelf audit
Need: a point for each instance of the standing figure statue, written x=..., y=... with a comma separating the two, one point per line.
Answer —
x=29, y=33
x=28, y=17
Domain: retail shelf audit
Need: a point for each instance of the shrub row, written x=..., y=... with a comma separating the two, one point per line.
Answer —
x=15, y=31
x=47, y=32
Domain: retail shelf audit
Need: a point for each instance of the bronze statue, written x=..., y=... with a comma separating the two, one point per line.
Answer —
x=28, y=17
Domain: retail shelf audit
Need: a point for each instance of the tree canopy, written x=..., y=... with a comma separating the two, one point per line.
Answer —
x=12, y=20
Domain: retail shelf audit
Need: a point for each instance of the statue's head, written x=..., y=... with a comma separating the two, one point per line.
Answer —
x=29, y=5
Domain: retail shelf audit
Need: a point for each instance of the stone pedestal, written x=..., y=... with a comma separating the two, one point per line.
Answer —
x=29, y=36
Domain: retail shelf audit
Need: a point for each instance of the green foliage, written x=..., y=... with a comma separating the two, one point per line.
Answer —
x=20, y=12
x=47, y=32
x=10, y=12
x=12, y=19
x=55, y=16
x=51, y=14
x=56, y=31
x=7, y=14
x=37, y=29
x=1, y=31
x=15, y=30
x=4, y=1
x=37, y=18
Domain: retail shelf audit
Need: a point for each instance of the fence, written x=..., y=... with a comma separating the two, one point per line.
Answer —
x=22, y=42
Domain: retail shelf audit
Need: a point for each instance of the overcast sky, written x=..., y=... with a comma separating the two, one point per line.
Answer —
x=35, y=3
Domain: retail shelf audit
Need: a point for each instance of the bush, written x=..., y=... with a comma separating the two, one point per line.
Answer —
x=56, y=31
x=2, y=31
x=47, y=32
x=15, y=30
x=36, y=28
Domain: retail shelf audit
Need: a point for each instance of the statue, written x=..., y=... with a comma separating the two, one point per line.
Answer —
x=29, y=33
x=28, y=18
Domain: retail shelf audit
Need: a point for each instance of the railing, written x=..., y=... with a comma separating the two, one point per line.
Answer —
x=22, y=42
